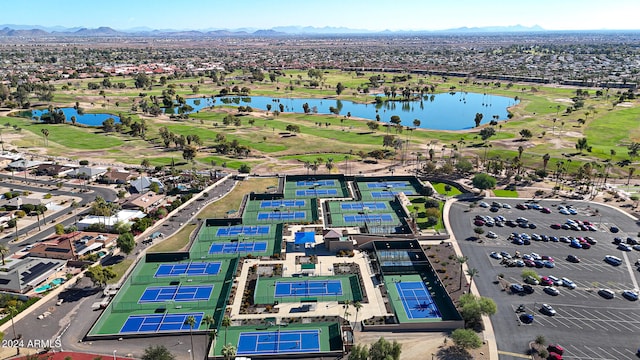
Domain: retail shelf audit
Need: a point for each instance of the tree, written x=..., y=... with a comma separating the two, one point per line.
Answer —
x=473, y=272
x=100, y=275
x=582, y=145
x=191, y=322
x=12, y=312
x=472, y=308
x=359, y=352
x=229, y=352
x=109, y=125
x=484, y=181
x=4, y=251
x=525, y=134
x=45, y=133
x=357, y=305
x=520, y=151
x=416, y=122
x=145, y=163
x=395, y=119
x=631, y=171
x=226, y=322
x=478, y=119
x=487, y=132
x=210, y=321
x=189, y=152
x=59, y=229
x=126, y=242
x=545, y=161
x=159, y=352
x=384, y=350
x=461, y=260
x=466, y=339
x=339, y=88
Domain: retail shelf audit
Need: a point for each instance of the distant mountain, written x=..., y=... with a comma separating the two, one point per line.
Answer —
x=496, y=29
x=36, y=31
x=320, y=30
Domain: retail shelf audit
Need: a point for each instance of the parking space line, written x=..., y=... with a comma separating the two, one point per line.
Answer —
x=623, y=356
x=622, y=320
x=580, y=354
x=631, y=273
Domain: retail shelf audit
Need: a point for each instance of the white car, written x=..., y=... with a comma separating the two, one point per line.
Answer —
x=556, y=281
x=491, y=235
x=568, y=283
x=495, y=255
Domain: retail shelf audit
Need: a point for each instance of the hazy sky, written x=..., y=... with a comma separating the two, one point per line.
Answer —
x=355, y=14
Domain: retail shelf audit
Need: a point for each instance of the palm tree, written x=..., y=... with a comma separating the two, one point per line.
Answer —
x=229, y=352
x=4, y=250
x=545, y=161
x=473, y=272
x=346, y=305
x=357, y=305
x=631, y=171
x=12, y=311
x=226, y=322
x=461, y=260
x=45, y=132
x=520, y=151
x=209, y=321
x=416, y=122
x=191, y=321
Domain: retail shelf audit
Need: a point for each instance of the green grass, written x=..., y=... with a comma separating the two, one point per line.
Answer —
x=506, y=193
x=120, y=268
x=418, y=207
x=440, y=189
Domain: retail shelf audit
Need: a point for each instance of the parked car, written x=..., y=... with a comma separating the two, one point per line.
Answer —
x=613, y=260
x=630, y=295
x=531, y=280
x=483, y=204
x=528, y=289
x=614, y=229
x=606, y=293
x=555, y=348
x=505, y=255
x=495, y=255
x=547, y=310
x=546, y=281
x=516, y=288
x=573, y=259
x=624, y=247
x=526, y=318
x=551, y=291
x=568, y=283
x=556, y=281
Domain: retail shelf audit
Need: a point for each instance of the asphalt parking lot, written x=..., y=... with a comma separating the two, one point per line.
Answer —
x=587, y=325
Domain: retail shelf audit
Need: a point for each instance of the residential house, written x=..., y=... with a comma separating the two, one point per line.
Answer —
x=116, y=176
x=72, y=246
x=87, y=173
x=23, y=275
x=145, y=202
x=108, y=221
x=23, y=164
x=55, y=170
x=141, y=184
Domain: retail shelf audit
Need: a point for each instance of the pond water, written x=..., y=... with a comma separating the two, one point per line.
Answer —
x=85, y=119
x=446, y=111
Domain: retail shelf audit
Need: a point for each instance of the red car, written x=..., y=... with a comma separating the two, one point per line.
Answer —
x=556, y=226
x=555, y=348
x=554, y=356
x=546, y=281
x=478, y=222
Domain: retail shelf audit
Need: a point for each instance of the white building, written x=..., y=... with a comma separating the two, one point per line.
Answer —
x=122, y=216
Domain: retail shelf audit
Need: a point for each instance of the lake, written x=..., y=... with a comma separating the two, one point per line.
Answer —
x=446, y=111
x=85, y=119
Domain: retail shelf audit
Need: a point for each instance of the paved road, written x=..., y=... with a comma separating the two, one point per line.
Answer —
x=587, y=325
x=74, y=318
x=33, y=186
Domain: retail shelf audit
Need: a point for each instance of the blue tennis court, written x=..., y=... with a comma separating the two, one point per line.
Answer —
x=159, y=322
x=360, y=218
x=363, y=205
x=243, y=230
x=282, y=215
x=278, y=342
x=308, y=288
x=269, y=204
x=176, y=293
x=389, y=184
x=416, y=300
x=236, y=247
x=390, y=194
x=316, y=192
x=191, y=269
x=317, y=183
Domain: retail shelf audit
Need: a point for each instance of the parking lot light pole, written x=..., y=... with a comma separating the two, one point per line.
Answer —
x=114, y=354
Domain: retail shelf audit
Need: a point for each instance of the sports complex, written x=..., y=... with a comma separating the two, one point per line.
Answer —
x=285, y=300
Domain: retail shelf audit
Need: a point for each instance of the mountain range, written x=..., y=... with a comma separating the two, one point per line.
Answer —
x=13, y=30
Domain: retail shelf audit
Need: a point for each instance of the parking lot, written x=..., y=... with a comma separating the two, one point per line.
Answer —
x=587, y=325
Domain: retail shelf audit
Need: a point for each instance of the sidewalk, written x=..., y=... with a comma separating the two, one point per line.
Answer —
x=489, y=335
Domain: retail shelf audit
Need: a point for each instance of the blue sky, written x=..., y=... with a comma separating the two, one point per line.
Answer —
x=355, y=14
